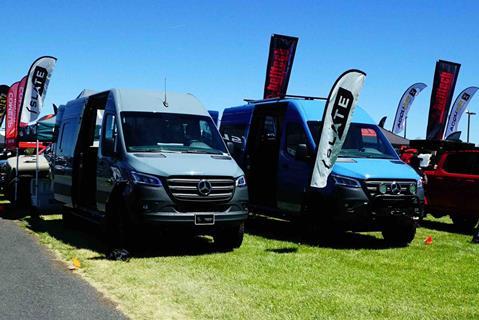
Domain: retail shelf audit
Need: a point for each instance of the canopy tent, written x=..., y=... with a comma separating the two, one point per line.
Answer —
x=42, y=130
x=395, y=140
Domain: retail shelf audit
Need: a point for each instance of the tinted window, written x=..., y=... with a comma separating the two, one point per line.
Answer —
x=464, y=163
x=109, y=132
x=269, y=128
x=235, y=134
x=67, y=143
x=294, y=135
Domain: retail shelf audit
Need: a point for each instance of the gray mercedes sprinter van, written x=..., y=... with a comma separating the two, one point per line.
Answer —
x=130, y=158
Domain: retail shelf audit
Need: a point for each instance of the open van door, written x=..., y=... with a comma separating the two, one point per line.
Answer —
x=295, y=163
x=262, y=153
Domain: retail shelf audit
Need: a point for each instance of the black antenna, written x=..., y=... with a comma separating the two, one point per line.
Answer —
x=165, y=102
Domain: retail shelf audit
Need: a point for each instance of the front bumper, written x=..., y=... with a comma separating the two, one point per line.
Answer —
x=154, y=206
x=353, y=209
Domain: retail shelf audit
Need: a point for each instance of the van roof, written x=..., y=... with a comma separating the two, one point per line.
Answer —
x=312, y=110
x=153, y=101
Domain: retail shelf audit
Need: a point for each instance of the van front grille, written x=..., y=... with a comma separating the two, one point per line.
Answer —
x=392, y=187
x=201, y=189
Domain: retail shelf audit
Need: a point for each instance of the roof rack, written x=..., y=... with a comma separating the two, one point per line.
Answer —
x=285, y=97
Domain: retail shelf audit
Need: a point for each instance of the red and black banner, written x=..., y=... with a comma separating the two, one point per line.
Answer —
x=443, y=87
x=280, y=62
x=3, y=101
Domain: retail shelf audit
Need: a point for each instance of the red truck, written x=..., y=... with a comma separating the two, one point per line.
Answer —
x=451, y=187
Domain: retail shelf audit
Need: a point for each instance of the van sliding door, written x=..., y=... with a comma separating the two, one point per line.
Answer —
x=262, y=153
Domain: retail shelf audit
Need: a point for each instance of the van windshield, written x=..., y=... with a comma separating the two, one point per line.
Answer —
x=170, y=132
x=362, y=141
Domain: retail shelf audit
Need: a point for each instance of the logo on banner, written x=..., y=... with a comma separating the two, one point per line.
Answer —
x=277, y=73
x=442, y=93
x=466, y=96
x=39, y=80
x=339, y=115
x=413, y=92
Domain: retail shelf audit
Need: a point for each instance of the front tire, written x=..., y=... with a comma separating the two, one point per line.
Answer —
x=121, y=232
x=399, y=231
x=229, y=238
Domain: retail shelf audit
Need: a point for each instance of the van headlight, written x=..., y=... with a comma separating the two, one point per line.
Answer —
x=241, y=182
x=346, y=182
x=145, y=179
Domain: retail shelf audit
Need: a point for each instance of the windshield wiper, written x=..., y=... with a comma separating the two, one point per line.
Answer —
x=201, y=152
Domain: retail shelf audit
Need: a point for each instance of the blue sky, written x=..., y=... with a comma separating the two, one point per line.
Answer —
x=218, y=50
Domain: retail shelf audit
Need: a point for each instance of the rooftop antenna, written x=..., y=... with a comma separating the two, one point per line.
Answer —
x=165, y=102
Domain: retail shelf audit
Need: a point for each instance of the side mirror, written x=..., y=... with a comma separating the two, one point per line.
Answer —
x=302, y=152
x=231, y=146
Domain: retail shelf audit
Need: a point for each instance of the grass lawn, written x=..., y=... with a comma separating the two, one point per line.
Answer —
x=277, y=274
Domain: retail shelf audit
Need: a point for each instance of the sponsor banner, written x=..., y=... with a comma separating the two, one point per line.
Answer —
x=280, y=62
x=404, y=106
x=36, y=88
x=445, y=78
x=11, y=116
x=337, y=118
x=458, y=108
x=3, y=102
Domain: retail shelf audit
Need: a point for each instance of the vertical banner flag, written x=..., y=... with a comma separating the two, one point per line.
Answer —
x=36, y=88
x=11, y=123
x=458, y=108
x=445, y=78
x=404, y=106
x=280, y=62
x=337, y=117
x=3, y=101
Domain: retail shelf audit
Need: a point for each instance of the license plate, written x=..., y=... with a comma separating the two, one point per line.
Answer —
x=204, y=219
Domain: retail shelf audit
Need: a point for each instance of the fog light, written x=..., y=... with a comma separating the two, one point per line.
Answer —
x=382, y=188
x=412, y=188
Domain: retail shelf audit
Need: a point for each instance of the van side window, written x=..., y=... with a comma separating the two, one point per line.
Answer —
x=66, y=140
x=295, y=135
x=109, y=132
x=269, y=128
x=235, y=134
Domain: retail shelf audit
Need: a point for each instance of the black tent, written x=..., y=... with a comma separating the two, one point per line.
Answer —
x=395, y=140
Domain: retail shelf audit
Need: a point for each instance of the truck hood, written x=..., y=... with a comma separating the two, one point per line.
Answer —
x=366, y=168
x=179, y=164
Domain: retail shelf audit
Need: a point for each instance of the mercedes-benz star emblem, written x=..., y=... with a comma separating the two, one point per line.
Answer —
x=204, y=187
x=395, y=188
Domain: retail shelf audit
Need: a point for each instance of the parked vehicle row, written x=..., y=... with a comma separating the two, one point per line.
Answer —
x=131, y=159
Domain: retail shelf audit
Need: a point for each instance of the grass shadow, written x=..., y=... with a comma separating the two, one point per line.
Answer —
x=283, y=230
x=443, y=226
x=149, y=244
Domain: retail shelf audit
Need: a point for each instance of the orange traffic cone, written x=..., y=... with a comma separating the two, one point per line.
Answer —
x=428, y=240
